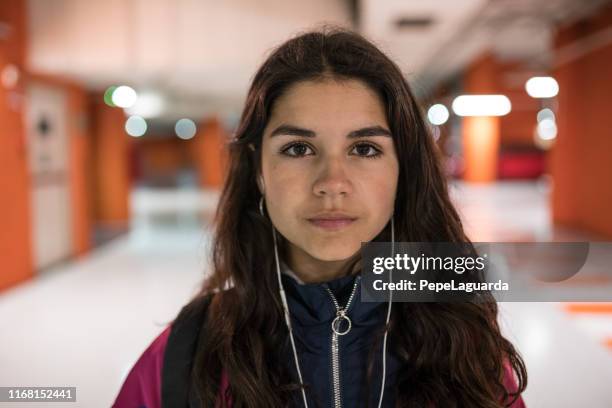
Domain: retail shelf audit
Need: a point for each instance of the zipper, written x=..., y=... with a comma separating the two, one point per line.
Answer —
x=337, y=331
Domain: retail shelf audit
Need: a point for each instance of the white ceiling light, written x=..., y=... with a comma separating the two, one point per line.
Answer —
x=542, y=87
x=437, y=114
x=148, y=105
x=124, y=96
x=481, y=105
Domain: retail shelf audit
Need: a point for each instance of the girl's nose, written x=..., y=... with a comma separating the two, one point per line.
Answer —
x=333, y=180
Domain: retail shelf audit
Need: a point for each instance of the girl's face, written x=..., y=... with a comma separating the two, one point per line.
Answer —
x=327, y=152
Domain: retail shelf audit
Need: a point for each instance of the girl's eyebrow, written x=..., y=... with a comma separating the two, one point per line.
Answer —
x=291, y=130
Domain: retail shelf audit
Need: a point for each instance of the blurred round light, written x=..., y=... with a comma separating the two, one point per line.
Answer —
x=10, y=76
x=148, y=105
x=546, y=114
x=185, y=128
x=542, y=87
x=108, y=96
x=481, y=105
x=124, y=96
x=437, y=114
x=135, y=126
x=547, y=129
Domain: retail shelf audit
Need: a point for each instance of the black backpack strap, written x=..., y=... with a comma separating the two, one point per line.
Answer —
x=180, y=350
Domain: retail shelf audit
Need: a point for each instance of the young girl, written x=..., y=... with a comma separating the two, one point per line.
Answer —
x=331, y=151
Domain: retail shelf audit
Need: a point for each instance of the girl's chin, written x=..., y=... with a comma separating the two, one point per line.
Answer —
x=330, y=255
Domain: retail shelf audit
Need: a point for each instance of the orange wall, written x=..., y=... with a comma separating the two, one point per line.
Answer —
x=482, y=76
x=210, y=153
x=517, y=127
x=15, y=200
x=110, y=153
x=488, y=75
x=80, y=174
x=15, y=254
x=163, y=155
x=166, y=155
x=581, y=162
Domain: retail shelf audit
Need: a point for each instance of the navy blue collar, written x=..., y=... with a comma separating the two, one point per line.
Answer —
x=311, y=303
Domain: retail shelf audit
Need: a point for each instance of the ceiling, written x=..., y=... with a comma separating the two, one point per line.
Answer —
x=200, y=54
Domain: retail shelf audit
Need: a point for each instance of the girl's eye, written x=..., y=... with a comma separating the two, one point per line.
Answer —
x=299, y=149
x=364, y=148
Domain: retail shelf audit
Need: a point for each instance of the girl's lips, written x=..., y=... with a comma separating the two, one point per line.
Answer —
x=332, y=224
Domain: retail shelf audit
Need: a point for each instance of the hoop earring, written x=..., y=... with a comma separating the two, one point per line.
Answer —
x=261, y=202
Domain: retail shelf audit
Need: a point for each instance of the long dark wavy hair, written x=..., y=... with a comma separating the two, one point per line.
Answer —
x=453, y=354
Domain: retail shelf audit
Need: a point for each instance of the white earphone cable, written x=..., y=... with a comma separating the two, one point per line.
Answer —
x=384, y=356
x=288, y=319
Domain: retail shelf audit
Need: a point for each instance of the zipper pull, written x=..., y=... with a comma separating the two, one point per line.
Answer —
x=338, y=320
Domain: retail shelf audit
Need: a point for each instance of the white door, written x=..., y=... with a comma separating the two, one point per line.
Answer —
x=48, y=145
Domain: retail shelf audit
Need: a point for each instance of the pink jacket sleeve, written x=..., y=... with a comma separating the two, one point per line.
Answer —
x=142, y=387
x=511, y=386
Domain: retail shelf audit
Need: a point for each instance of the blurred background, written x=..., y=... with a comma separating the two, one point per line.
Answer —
x=113, y=120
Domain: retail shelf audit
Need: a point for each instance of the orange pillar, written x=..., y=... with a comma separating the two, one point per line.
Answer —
x=15, y=236
x=210, y=148
x=565, y=157
x=110, y=154
x=481, y=135
x=79, y=171
x=581, y=161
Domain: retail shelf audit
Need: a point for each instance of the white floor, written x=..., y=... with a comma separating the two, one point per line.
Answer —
x=568, y=365
x=85, y=323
